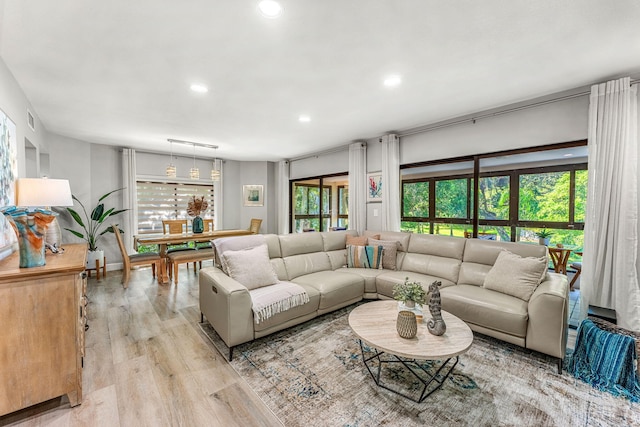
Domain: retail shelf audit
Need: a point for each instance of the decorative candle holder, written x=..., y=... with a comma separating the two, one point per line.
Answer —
x=406, y=324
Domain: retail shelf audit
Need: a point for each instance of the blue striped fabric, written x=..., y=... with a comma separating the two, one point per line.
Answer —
x=605, y=360
x=364, y=256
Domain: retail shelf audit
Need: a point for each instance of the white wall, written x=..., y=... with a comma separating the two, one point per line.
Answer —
x=92, y=170
x=15, y=104
x=560, y=121
x=321, y=164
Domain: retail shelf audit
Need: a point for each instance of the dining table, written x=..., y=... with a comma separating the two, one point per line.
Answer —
x=163, y=240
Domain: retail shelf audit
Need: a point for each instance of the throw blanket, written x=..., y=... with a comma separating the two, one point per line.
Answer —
x=605, y=360
x=273, y=299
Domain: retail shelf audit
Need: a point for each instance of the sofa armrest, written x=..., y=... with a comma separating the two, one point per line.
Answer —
x=549, y=316
x=227, y=306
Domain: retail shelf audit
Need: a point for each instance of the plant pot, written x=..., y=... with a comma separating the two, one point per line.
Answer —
x=197, y=225
x=406, y=324
x=92, y=256
x=544, y=240
x=410, y=304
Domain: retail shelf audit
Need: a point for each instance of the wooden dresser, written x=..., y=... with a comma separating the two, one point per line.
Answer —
x=42, y=320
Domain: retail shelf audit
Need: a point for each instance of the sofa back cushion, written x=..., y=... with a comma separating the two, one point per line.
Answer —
x=480, y=255
x=299, y=265
x=335, y=240
x=446, y=268
x=438, y=256
x=300, y=243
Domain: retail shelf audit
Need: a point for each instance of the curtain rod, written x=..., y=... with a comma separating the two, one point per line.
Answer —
x=473, y=119
x=429, y=128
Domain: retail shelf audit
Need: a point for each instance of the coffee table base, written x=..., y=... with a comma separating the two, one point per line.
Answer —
x=429, y=385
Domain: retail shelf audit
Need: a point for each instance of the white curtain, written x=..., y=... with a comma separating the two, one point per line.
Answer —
x=282, y=196
x=391, y=183
x=130, y=196
x=358, y=187
x=609, y=274
x=218, y=202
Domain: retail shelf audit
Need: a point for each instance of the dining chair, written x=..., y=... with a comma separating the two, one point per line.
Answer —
x=174, y=260
x=133, y=260
x=255, y=225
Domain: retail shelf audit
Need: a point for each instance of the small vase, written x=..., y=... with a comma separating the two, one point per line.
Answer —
x=406, y=325
x=410, y=304
x=197, y=225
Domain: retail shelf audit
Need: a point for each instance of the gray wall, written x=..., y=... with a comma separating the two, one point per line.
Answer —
x=15, y=104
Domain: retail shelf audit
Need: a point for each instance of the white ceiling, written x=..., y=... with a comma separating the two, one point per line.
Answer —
x=118, y=72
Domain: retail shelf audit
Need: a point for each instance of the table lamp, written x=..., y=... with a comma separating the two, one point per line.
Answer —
x=45, y=192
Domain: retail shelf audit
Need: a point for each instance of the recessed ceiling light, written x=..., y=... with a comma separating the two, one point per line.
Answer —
x=304, y=118
x=196, y=87
x=270, y=8
x=392, y=81
x=568, y=155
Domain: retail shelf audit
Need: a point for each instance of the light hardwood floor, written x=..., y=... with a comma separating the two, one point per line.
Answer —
x=148, y=364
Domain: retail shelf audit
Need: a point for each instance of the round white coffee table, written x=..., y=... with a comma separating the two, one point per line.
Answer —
x=375, y=325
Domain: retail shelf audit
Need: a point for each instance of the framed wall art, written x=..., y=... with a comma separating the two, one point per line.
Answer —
x=253, y=195
x=8, y=176
x=374, y=187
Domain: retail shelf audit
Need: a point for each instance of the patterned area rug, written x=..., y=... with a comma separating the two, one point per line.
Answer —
x=313, y=374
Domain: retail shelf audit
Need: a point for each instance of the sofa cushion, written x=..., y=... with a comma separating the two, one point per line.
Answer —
x=389, y=252
x=300, y=243
x=299, y=265
x=442, y=246
x=368, y=274
x=388, y=279
x=432, y=265
x=334, y=240
x=364, y=256
x=335, y=287
x=486, y=308
x=251, y=267
x=515, y=275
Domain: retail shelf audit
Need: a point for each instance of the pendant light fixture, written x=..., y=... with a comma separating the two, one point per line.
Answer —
x=194, y=173
x=171, y=169
x=215, y=172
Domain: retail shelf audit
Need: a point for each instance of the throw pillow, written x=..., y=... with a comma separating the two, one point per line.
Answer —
x=356, y=240
x=364, y=256
x=389, y=252
x=516, y=276
x=251, y=267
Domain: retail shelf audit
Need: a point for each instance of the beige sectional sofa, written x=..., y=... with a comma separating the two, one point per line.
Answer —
x=316, y=261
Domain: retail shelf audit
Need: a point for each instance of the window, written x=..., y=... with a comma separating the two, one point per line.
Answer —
x=159, y=200
x=315, y=210
x=519, y=193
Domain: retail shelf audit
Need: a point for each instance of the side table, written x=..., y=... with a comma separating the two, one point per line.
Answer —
x=97, y=269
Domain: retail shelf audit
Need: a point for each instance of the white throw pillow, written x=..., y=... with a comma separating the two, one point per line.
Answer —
x=516, y=276
x=251, y=267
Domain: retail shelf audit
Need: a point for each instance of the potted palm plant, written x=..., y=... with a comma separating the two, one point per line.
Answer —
x=92, y=226
x=410, y=293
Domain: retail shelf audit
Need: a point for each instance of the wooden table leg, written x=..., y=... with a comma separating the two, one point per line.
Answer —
x=98, y=269
x=163, y=277
x=104, y=267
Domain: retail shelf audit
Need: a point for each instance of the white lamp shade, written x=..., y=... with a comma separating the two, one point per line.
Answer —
x=43, y=192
